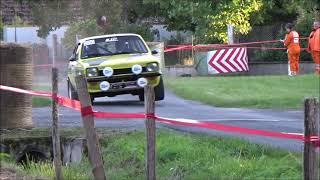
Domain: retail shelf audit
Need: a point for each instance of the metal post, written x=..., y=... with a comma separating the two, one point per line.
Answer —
x=230, y=34
x=54, y=50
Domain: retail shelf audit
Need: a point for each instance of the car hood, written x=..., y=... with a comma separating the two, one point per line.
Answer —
x=120, y=61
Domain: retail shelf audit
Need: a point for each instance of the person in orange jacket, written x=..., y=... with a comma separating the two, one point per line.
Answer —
x=291, y=41
x=314, y=45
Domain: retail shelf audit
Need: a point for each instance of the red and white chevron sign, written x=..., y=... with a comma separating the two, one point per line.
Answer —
x=227, y=60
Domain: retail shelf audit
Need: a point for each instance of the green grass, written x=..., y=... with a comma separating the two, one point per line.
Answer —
x=47, y=132
x=183, y=156
x=247, y=91
x=41, y=101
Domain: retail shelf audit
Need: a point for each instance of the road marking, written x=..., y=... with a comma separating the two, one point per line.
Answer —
x=266, y=120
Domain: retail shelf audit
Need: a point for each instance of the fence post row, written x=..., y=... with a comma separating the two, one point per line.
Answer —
x=91, y=135
x=311, y=128
x=55, y=129
x=150, y=133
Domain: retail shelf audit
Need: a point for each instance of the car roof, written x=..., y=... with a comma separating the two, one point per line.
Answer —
x=105, y=36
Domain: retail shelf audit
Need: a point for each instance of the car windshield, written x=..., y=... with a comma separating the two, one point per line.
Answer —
x=112, y=46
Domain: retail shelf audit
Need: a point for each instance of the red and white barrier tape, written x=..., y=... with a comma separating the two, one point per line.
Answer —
x=85, y=111
x=22, y=91
x=42, y=65
x=236, y=129
x=236, y=45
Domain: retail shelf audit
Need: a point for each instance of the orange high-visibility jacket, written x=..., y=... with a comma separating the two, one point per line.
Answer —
x=292, y=42
x=314, y=40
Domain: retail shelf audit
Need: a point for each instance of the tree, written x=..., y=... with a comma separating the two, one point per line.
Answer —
x=207, y=19
x=302, y=13
x=1, y=29
x=82, y=21
x=50, y=15
x=117, y=20
x=89, y=27
x=237, y=13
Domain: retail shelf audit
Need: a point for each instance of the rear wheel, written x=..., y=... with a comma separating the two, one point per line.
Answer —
x=72, y=94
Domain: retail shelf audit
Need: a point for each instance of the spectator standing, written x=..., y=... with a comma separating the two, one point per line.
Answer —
x=292, y=42
x=314, y=45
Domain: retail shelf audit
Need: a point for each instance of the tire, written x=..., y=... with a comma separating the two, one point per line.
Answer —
x=72, y=94
x=141, y=97
x=92, y=98
x=159, y=91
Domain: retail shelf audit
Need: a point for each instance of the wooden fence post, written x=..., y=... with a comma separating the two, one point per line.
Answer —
x=91, y=135
x=311, y=128
x=150, y=133
x=55, y=129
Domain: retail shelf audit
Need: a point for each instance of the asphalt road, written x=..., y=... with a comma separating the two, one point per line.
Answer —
x=175, y=107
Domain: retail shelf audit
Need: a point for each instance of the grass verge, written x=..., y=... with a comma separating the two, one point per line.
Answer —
x=182, y=156
x=247, y=91
x=41, y=101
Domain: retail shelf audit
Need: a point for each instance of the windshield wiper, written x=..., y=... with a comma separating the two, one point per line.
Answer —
x=121, y=53
x=126, y=52
x=95, y=55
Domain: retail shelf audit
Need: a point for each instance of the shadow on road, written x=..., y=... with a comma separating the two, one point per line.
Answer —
x=130, y=103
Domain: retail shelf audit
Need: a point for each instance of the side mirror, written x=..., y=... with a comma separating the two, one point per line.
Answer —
x=153, y=52
x=72, y=58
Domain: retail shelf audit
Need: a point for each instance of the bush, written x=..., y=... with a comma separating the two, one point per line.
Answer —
x=303, y=26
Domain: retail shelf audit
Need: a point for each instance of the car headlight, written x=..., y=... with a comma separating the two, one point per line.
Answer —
x=152, y=67
x=91, y=72
x=136, y=69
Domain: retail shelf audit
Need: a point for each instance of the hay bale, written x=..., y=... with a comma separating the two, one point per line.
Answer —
x=15, y=71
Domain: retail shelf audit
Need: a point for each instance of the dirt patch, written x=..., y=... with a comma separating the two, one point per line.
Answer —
x=9, y=172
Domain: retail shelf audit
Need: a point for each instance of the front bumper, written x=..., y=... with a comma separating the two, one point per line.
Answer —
x=122, y=84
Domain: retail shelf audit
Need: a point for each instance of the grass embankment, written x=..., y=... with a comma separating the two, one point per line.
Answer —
x=41, y=101
x=182, y=156
x=247, y=91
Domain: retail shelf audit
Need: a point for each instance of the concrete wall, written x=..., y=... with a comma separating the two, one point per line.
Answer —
x=276, y=68
x=180, y=70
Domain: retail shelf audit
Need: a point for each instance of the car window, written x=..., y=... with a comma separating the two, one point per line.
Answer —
x=74, y=54
x=112, y=46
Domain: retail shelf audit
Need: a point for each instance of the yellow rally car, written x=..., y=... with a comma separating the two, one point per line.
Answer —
x=114, y=65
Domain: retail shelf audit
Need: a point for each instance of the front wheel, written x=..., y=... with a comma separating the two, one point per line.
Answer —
x=141, y=97
x=72, y=94
x=92, y=98
x=158, y=92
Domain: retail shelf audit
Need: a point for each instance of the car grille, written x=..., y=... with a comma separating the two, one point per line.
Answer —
x=125, y=79
x=122, y=71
